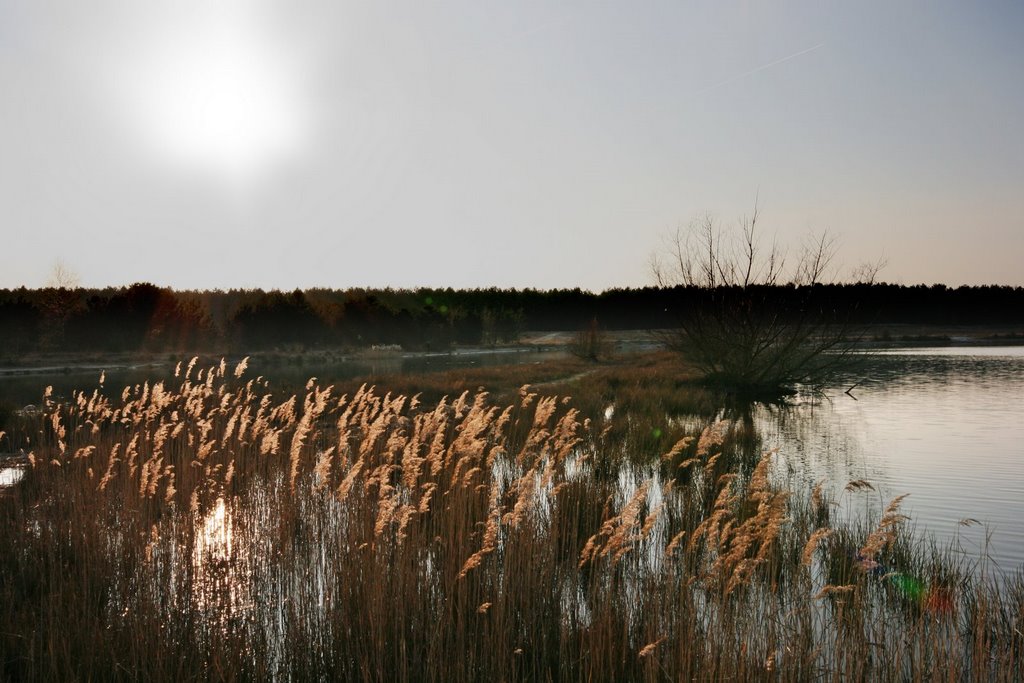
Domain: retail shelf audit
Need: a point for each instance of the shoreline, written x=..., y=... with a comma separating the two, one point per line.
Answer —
x=893, y=335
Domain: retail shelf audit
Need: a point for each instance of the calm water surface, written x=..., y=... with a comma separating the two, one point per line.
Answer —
x=945, y=425
x=20, y=387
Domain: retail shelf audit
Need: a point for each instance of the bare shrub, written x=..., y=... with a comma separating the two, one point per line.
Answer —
x=591, y=343
x=751, y=319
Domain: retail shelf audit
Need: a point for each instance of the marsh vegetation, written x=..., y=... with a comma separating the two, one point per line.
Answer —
x=208, y=527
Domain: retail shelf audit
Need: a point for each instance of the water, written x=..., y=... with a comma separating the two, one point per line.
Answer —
x=22, y=387
x=945, y=425
x=9, y=476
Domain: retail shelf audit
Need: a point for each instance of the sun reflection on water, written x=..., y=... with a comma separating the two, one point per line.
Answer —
x=219, y=563
x=214, y=540
x=9, y=476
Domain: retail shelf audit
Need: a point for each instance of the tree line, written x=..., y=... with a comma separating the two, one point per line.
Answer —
x=146, y=317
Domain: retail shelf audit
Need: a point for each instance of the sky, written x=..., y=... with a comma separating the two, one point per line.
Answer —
x=301, y=143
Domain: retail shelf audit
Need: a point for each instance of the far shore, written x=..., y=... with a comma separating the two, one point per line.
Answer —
x=874, y=336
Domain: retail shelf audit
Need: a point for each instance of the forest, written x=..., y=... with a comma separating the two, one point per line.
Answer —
x=145, y=317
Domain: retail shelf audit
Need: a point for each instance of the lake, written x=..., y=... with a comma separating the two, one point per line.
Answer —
x=22, y=386
x=945, y=425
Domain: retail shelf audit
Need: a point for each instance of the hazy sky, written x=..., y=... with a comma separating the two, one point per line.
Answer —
x=296, y=143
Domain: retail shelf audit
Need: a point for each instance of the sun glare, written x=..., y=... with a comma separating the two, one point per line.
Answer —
x=216, y=96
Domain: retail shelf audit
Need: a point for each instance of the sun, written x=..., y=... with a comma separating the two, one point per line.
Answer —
x=216, y=96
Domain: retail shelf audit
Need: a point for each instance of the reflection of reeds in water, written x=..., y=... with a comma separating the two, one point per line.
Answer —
x=214, y=530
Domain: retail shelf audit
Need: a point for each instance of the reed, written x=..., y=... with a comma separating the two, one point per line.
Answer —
x=213, y=529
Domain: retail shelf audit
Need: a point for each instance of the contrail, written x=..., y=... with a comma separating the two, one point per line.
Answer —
x=761, y=68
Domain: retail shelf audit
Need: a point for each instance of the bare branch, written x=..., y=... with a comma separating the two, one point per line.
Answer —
x=867, y=272
x=749, y=231
x=815, y=259
x=62, y=276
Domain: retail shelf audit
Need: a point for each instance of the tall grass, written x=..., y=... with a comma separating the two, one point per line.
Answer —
x=214, y=530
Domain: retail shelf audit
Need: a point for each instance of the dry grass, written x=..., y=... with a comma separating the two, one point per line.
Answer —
x=213, y=530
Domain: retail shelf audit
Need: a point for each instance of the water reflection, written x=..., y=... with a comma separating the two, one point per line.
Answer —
x=9, y=476
x=945, y=425
x=218, y=562
x=213, y=542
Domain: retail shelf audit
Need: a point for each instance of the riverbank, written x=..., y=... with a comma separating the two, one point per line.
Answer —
x=620, y=341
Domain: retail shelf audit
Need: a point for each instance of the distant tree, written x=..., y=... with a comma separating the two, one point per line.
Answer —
x=278, y=319
x=178, y=323
x=360, y=319
x=61, y=299
x=747, y=317
x=591, y=343
x=501, y=324
x=466, y=326
x=118, y=320
x=20, y=322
